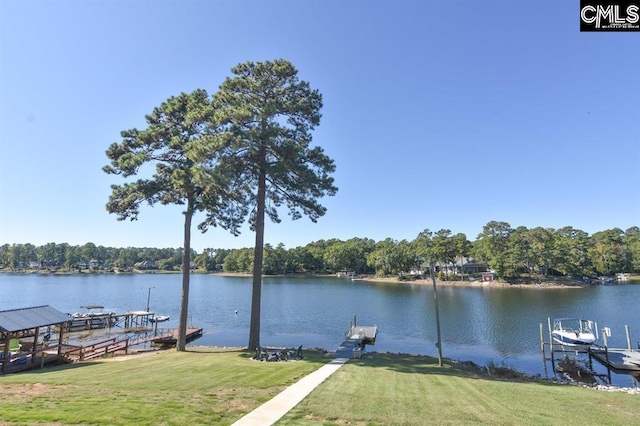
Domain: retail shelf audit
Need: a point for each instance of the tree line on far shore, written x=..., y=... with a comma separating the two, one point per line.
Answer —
x=506, y=250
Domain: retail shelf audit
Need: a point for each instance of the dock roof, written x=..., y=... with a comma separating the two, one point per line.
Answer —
x=15, y=320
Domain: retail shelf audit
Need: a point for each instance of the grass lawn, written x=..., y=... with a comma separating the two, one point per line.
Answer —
x=206, y=386
x=199, y=387
x=385, y=389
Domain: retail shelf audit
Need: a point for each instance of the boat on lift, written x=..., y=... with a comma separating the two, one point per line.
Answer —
x=574, y=332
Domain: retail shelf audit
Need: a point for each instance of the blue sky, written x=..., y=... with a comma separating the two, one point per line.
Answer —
x=438, y=114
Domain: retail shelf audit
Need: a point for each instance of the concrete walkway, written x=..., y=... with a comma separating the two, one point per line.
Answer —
x=272, y=410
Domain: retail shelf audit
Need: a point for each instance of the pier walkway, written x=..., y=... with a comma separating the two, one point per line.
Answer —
x=272, y=410
x=347, y=349
x=171, y=337
x=356, y=340
x=620, y=359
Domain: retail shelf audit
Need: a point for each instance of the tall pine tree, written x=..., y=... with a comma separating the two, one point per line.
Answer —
x=266, y=116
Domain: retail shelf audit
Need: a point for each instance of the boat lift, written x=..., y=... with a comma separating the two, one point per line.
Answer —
x=625, y=360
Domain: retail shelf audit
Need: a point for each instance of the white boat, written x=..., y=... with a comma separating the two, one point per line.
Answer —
x=160, y=318
x=94, y=317
x=574, y=332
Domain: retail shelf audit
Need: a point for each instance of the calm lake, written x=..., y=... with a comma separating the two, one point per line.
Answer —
x=484, y=325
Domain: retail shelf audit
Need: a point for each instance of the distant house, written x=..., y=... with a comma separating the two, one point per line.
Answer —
x=470, y=265
x=192, y=266
x=462, y=266
x=146, y=264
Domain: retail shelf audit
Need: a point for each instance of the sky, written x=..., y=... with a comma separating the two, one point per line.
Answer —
x=438, y=114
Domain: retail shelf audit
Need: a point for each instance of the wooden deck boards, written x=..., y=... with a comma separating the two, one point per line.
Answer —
x=365, y=333
x=619, y=359
x=357, y=338
x=171, y=337
x=347, y=348
x=32, y=363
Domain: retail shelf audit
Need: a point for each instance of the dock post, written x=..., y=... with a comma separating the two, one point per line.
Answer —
x=544, y=356
x=626, y=329
x=551, y=341
x=435, y=300
x=605, y=334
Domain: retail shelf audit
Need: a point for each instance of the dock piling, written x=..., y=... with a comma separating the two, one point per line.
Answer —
x=550, y=340
x=606, y=332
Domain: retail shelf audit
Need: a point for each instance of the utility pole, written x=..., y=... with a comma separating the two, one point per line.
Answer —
x=435, y=298
x=149, y=297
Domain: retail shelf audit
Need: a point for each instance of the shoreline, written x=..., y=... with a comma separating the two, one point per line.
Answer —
x=427, y=281
x=559, y=283
x=504, y=373
x=480, y=284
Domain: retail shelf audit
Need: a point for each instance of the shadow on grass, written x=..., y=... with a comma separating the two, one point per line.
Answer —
x=309, y=355
x=50, y=368
x=409, y=364
x=404, y=363
x=419, y=364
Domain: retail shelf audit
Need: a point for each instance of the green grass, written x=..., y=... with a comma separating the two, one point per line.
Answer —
x=210, y=386
x=384, y=389
x=201, y=386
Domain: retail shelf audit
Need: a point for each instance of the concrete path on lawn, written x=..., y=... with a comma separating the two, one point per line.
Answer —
x=272, y=410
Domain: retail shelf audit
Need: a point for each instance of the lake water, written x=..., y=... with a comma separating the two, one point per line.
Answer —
x=484, y=325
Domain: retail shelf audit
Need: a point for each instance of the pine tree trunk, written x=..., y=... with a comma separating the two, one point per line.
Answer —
x=186, y=264
x=258, y=251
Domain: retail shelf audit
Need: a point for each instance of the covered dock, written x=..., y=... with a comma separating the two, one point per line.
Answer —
x=95, y=318
x=24, y=337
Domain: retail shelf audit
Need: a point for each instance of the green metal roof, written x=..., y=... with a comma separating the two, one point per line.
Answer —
x=15, y=320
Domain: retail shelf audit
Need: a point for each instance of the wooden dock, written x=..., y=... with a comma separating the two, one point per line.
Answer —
x=171, y=337
x=126, y=320
x=31, y=362
x=65, y=353
x=356, y=339
x=75, y=353
x=618, y=359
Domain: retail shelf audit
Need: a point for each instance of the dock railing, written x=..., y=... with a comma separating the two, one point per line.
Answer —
x=82, y=353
